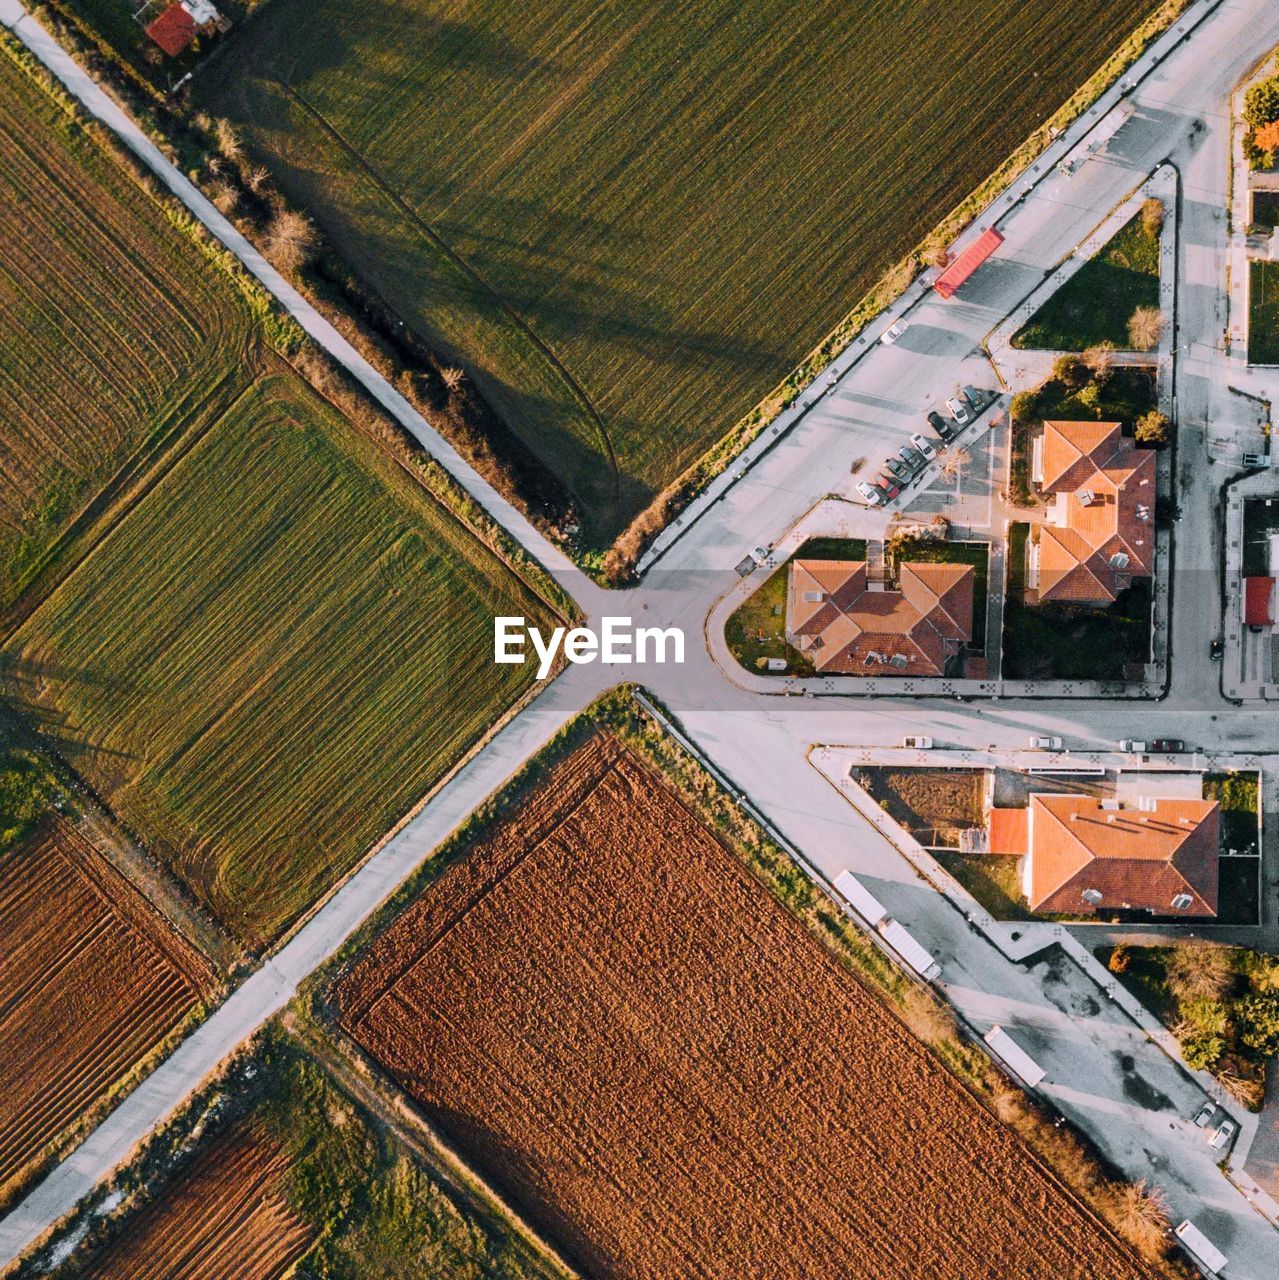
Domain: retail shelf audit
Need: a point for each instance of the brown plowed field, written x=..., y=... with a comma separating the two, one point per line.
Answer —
x=671, y=1077
x=224, y=1218
x=91, y=978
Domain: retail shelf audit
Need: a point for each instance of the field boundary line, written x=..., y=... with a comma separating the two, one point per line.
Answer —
x=442, y=246
x=345, y=1062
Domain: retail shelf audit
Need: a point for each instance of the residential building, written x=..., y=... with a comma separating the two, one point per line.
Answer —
x=849, y=624
x=1083, y=854
x=1100, y=531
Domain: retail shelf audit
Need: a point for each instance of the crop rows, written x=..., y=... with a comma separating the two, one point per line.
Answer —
x=111, y=329
x=603, y=1013
x=225, y=1216
x=619, y=218
x=281, y=649
x=90, y=979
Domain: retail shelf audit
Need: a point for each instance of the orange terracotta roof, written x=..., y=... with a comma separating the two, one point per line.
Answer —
x=173, y=30
x=834, y=617
x=1009, y=831
x=1134, y=858
x=1106, y=500
x=1072, y=451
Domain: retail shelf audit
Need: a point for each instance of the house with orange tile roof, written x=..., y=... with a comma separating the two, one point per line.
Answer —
x=1100, y=531
x=850, y=625
x=1083, y=854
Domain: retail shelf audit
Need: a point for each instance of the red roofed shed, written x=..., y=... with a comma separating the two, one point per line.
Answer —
x=1256, y=601
x=968, y=262
x=173, y=30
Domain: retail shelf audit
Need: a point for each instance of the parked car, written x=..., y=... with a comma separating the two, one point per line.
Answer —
x=946, y=430
x=760, y=554
x=1046, y=744
x=898, y=468
x=1132, y=745
x=1225, y=1131
x=913, y=459
x=1168, y=746
x=977, y=399
x=918, y=742
x=889, y=486
x=1205, y=1114
x=922, y=444
x=872, y=495
x=958, y=409
x=1217, y=650
x=894, y=331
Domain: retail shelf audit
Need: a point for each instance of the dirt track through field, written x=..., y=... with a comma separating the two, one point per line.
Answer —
x=660, y=1066
x=90, y=980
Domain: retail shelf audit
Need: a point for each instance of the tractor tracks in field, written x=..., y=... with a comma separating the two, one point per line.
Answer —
x=438, y=242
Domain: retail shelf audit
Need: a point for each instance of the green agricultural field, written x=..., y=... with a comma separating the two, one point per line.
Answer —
x=114, y=333
x=273, y=656
x=631, y=222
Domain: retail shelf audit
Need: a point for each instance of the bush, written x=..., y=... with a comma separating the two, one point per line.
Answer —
x=1202, y=1050
x=1199, y=973
x=1069, y=369
x=1259, y=1022
x=1145, y=326
x=1261, y=102
x=1120, y=959
x=1153, y=428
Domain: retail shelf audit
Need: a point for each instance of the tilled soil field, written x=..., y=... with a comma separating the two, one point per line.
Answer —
x=225, y=1217
x=656, y=1063
x=91, y=978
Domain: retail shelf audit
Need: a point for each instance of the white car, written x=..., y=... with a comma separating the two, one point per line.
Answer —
x=922, y=444
x=1046, y=744
x=1205, y=1114
x=1134, y=746
x=1223, y=1135
x=893, y=332
x=959, y=411
x=918, y=743
x=870, y=493
x=761, y=554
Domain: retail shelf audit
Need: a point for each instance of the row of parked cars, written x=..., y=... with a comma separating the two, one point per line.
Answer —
x=913, y=458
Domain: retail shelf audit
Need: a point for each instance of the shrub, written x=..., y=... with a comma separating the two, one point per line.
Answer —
x=1152, y=216
x=1071, y=370
x=1144, y=328
x=290, y=241
x=1259, y=1022
x=1153, y=428
x=1202, y=1050
x=1199, y=972
x=1120, y=959
x=1261, y=102
x=1097, y=358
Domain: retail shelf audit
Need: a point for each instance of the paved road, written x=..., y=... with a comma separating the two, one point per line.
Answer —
x=1106, y=1076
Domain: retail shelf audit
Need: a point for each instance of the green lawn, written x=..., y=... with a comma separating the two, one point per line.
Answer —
x=1263, y=312
x=277, y=652
x=1097, y=302
x=614, y=217
x=992, y=879
x=1239, y=797
x=756, y=631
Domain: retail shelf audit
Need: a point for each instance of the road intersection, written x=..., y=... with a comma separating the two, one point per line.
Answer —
x=1116, y=1080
